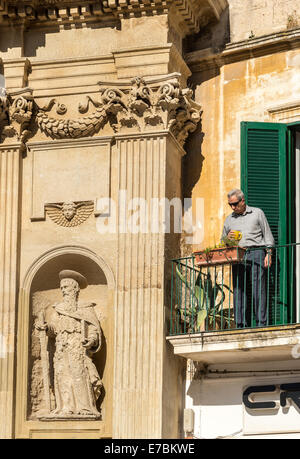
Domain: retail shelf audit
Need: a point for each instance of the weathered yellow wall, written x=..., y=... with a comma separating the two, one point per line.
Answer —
x=261, y=17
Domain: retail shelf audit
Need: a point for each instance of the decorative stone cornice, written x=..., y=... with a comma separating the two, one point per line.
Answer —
x=138, y=106
x=208, y=58
x=191, y=14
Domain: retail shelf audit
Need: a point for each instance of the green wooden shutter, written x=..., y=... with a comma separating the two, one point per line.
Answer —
x=264, y=171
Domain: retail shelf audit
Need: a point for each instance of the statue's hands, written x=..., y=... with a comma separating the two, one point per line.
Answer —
x=41, y=326
x=88, y=344
x=40, y=323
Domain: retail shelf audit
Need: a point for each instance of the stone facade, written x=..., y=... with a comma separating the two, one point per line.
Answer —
x=121, y=100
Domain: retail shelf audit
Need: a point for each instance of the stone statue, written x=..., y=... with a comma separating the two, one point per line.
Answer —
x=77, y=334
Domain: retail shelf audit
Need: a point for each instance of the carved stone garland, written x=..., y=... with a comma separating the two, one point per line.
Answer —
x=139, y=107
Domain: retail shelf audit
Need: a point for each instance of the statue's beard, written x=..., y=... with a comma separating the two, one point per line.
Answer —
x=71, y=300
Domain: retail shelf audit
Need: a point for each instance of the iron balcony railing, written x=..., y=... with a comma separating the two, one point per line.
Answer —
x=245, y=294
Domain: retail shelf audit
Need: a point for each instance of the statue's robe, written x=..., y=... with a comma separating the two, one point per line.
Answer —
x=77, y=384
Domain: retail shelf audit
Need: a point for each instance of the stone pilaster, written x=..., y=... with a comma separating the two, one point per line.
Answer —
x=140, y=392
x=152, y=123
x=140, y=307
x=9, y=210
x=16, y=73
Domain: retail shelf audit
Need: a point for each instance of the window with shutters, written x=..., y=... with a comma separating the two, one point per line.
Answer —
x=268, y=178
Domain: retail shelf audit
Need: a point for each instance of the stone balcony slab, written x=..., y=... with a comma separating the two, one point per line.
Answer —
x=235, y=346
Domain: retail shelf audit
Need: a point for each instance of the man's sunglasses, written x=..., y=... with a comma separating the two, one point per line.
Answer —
x=234, y=203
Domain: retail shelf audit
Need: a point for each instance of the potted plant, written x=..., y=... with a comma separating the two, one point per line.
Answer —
x=204, y=308
x=228, y=251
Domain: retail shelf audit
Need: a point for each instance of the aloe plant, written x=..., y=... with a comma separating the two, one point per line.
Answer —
x=203, y=304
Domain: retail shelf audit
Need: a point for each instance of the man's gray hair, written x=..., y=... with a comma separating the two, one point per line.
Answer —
x=236, y=192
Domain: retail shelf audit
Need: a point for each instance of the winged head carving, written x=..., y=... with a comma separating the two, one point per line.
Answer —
x=70, y=213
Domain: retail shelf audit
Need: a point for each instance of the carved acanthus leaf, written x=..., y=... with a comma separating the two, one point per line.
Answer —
x=16, y=115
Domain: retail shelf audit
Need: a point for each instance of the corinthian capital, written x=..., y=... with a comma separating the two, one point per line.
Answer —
x=16, y=115
x=146, y=105
x=4, y=110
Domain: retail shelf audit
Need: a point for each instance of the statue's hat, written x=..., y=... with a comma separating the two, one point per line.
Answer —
x=69, y=274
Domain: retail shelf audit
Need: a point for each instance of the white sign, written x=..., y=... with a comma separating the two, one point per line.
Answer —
x=271, y=409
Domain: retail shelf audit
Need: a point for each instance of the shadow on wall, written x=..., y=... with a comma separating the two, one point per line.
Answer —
x=212, y=39
x=30, y=40
x=37, y=39
x=214, y=393
x=216, y=35
x=192, y=162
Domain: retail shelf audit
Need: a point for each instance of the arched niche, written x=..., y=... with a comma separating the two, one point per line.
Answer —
x=41, y=289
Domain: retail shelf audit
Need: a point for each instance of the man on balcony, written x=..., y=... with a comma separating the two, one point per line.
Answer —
x=257, y=236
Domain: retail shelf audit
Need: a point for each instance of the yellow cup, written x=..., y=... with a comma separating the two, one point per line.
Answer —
x=237, y=235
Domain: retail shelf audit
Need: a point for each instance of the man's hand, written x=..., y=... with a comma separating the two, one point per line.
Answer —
x=231, y=235
x=268, y=261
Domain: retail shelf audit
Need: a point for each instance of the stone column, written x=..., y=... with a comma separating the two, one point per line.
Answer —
x=16, y=73
x=151, y=132
x=139, y=300
x=143, y=401
x=9, y=211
